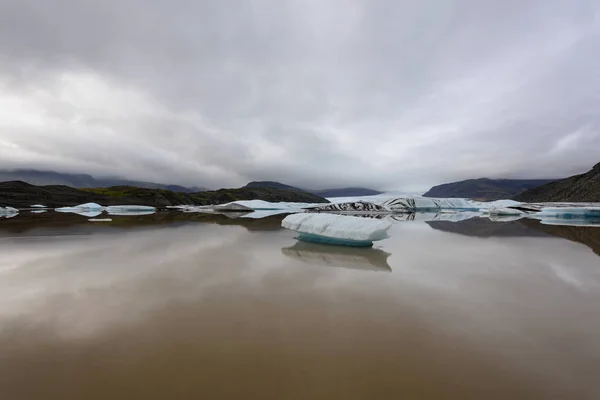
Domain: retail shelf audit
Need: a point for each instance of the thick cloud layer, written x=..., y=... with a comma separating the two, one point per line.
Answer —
x=388, y=94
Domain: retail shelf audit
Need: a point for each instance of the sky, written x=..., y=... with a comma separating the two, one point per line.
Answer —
x=395, y=94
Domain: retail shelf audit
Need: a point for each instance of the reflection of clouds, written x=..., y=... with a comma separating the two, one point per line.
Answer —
x=83, y=283
x=338, y=256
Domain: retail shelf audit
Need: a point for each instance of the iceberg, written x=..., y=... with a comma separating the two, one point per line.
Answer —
x=353, y=206
x=257, y=205
x=337, y=229
x=81, y=207
x=130, y=210
x=414, y=204
x=90, y=210
x=8, y=212
x=38, y=206
x=400, y=204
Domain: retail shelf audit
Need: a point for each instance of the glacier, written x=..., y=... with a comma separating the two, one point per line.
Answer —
x=337, y=229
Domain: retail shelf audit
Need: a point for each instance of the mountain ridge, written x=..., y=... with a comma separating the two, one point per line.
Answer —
x=46, y=178
x=485, y=188
x=582, y=187
x=336, y=192
x=20, y=194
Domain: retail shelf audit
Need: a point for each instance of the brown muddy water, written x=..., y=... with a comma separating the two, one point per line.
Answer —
x=182, y=307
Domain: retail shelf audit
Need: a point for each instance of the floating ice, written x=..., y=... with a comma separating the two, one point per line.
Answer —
x=399, y=204
x=250, y=205
x=414, y=204
x=337, y=229
x=353, y=206
x=100, y=219
x=38, y=206
x=8, y=212
x=89, y=210
x=130, y=210
x=81, y=207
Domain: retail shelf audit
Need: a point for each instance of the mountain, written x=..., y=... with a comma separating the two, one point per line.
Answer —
x=341, y=192
x=584, y=187
x=45, y=178
x=20, y=194
x=485, y=188
x=273, y=185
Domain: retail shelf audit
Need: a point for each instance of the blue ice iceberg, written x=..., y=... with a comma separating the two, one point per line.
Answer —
x=337, y=229
x=87, y=210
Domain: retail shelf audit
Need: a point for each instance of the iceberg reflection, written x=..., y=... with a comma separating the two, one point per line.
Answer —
x=337, y=256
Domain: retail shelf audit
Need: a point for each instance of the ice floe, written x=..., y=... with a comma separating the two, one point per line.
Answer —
x=130, y=210
x=337, y=229
x=8, y=212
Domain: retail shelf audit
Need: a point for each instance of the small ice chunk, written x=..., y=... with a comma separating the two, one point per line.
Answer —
x=337, y=229
x=100, y=219
x=38, y=206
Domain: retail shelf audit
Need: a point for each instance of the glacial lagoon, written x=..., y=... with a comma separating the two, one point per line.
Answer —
x=185, y=305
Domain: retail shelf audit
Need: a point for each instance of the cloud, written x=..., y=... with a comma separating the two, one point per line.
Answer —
x=395, y=95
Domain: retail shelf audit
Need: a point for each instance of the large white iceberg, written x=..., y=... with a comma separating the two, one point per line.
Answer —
x=337, y=229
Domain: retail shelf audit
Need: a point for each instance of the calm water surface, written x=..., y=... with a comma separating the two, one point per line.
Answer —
x=163, y=307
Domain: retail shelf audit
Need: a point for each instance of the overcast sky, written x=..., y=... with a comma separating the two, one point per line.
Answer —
x=392, y=94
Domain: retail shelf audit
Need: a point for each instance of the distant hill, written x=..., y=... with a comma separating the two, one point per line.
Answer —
x=45, y=178
x=341, y=192
x=22, y=195
x=485, y=188
x=584, y=187
x=271, y=184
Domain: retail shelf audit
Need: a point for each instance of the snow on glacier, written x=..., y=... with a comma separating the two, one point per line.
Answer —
x=337, y=229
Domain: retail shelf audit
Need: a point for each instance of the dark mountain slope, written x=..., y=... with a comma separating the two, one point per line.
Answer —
x=23, y=195
x=584, y=187
x=485, y=188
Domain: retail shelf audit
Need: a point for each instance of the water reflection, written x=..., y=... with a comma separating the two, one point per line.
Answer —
x=195, y=306
x=339, y=256
x=483, y=227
